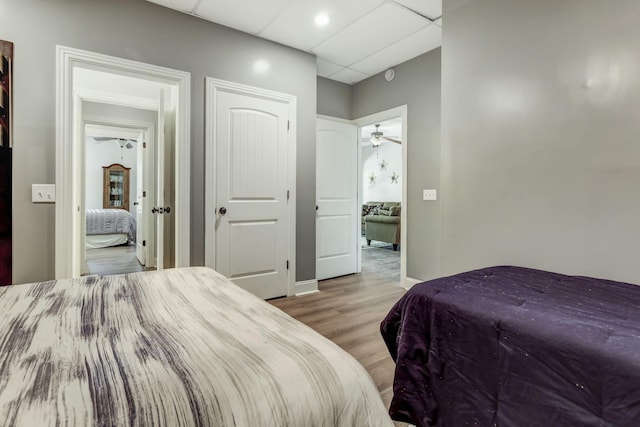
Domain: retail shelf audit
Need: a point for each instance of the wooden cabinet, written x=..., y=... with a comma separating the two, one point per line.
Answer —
x=115, y=193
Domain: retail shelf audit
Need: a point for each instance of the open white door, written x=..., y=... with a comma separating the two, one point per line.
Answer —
x=337, y=199
x=169, y=214
x=158, y=209
x=80, y=228
x=251, y=230
x=140, y=200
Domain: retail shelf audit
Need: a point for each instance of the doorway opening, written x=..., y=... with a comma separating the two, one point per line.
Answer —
x=344, y=165
x=152, y=103
x=114, y=183
x=381, y=170
x=381, y=162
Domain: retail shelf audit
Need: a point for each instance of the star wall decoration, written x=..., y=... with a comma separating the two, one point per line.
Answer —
x=383, y=165
x=372, y=178
x=394, y=178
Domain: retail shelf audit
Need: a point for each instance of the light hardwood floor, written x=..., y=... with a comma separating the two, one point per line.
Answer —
x=348, y=311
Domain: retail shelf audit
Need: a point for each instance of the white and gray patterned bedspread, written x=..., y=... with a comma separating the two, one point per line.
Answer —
x=111, y=221
x=182, y=347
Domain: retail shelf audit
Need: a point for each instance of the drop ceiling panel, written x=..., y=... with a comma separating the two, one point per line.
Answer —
x=295, y=25
x=369, y=33
x=416, y=44
x=432, y=9
x=348, y=76
x=249, y=16
x=325, y=69
x=181, y=5
x=377, y=30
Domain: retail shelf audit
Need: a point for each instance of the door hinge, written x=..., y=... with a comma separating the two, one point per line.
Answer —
x=287, y=194
x=144, y=194
x=144, y=145
x=288, y=125
x=287, y=264
x=144, y=243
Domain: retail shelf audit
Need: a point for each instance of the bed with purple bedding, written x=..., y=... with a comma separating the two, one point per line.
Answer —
x=511, y=346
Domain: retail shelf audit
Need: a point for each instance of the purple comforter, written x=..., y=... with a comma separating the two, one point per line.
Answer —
x=510, y=346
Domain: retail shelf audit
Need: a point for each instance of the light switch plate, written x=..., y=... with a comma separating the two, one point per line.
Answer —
x=429, y=195
x=43, y=193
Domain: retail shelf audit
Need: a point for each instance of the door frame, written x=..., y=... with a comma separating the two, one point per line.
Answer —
x=148, y=128
x=402, y=112
x=213, y=87
x=68, y=150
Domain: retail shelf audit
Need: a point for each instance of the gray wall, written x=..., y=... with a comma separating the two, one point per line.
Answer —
x=541, y=148
x=334, y=98
x=417, y=84
x=142, y=31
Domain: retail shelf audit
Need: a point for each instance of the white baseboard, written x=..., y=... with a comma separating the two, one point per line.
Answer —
x=306, y=287
x=409, y=282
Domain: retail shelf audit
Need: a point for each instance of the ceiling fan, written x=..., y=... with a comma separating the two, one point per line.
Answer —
x=122, y=142
x=377, y=137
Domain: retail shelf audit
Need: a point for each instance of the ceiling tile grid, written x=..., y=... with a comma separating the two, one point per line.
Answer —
x=362, y=37
x=381, y=28
x=294, y=26
x=250, y=16
x=348, y=76
x=420, y=42
x=432, y=9
x=326, y=68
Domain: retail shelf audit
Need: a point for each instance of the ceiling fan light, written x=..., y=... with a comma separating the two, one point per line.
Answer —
x=376, y=137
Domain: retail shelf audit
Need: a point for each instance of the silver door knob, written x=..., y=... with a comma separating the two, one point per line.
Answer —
x=222, y=210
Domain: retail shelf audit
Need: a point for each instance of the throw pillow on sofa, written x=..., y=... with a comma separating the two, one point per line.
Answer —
x=394, y=211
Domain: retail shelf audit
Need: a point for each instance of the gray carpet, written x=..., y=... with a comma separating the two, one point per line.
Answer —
x=382, y=261
x=376, y=244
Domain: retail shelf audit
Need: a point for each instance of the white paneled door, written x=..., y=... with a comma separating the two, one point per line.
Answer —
x=337, y=199
x=141, y=253
x=160, y=183
x=251, y=192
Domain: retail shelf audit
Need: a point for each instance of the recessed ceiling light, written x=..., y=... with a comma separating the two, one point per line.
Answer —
x=260, y=66
x=322, y=19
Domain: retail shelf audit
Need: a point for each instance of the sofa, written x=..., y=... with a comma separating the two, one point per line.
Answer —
x=381, y=222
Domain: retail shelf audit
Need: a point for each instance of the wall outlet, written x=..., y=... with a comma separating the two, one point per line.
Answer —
x=43, y=193
x=429, y=195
